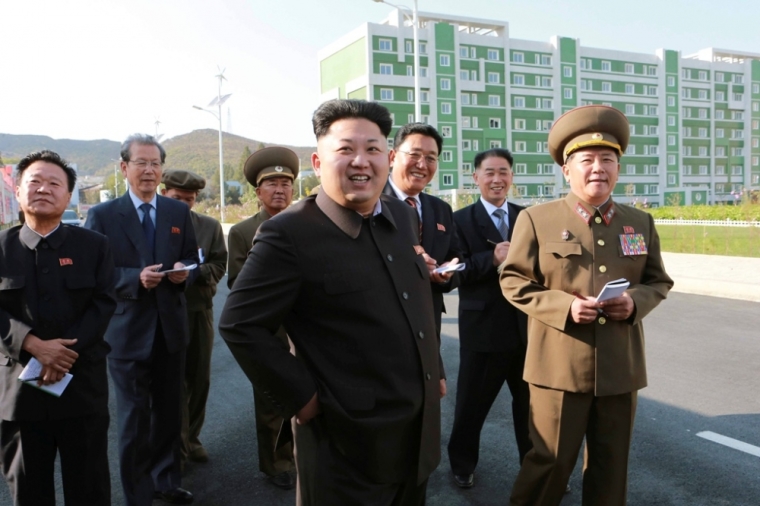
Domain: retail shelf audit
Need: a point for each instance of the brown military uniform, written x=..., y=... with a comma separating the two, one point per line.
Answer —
x=583, y=377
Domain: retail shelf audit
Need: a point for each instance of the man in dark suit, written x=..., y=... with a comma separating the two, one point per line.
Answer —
x=56, y=298
x=184, y=186
x=492, y=333
x=271, y=171
x=148, y=333
x=344, y=273
x=414, y=162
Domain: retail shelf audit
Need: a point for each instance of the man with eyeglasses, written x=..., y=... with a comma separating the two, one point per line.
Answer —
x=271, y=171
x=148, y=333
x=414, y=161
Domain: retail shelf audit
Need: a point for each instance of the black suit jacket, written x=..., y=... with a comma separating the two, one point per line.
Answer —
x=139, y=311
x=487, y=322
x=439, y=240
x=62, y=290
x=355, y=300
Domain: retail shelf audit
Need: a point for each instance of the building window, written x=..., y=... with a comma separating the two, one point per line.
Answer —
x=408, y=46
x=686, y=151
x=467, y=168
x=719, y=113
x=466, y=122
x=687, y=170
x=685, y=74
x=720, y=170
x=493, y=54
x=629, y=89
x=473, y=53
x=652, y=91
x=631, y=149
x=426, y=119
x=393, y=119
x=686, y=132
x=629, y=68
x=518, y=79
x=737, y=151
x=466, y=145
x=445, y=60
x=671, y=159
x=720, y=151
x=465, y=98
x=389, y=142
x=654, y=130
x=671, y=120
x=519, y=124
x=755, y=124
x=445, y=84
x=494, y=144
x=755, y=88
x=521, y=168
x=464, y=75
x=386, y=45
x=548, y=168
x=409, y=70
x=410, y=118
x=737, y=115
x=630, y=109
x=738, y=79
x=719, y=133
x=410, y=95
x=652, y=110
x=494, y=100
x=423, y=72
x=720, y=96
x=653, y=169
x=671, y=140
x=671, y=179
x=651, y=150
x=686, y=93
x=671, y=81
x=494, y=123
x=445, y=131
x=567, y=71
x=702, y=150
x=606, y=87
x=703, y=170
x=386, y=69
x=719, y=77
x=445, y=107
x=702, y=75
x=546, y=60
x=519, y=102
x=653, y=189
x=632, y=129
x=630, y=169
x=651, y=71
x=568, y=93
x=702, y=94
x=736, y=170
x=493, y=78
x=755, y=142
x=448, y=180
x=539, y=147
x=585, y=85
x=445, y=156
x=702, y=132
x=518, y=57
x=671, y=101
x=547, y=103
x=606, y=67
x=546, y=82
x=737, y=134
x=463, y=52
x=425, y=96
x=756, y=106
x=475, y=142
x=738, y=97
x=520, y=147
x=386, y=94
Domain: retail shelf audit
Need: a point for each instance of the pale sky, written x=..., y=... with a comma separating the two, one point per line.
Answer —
x=87, y=69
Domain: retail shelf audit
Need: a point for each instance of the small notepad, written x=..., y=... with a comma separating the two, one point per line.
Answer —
x=33, y=370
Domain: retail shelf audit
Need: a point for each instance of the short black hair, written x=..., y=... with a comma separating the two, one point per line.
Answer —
x=417, y=128
x=494, y=153
x=49, y=157
x=144, y=139
x=335, y=110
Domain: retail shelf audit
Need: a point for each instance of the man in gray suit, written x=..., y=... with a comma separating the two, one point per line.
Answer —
x=148, y=333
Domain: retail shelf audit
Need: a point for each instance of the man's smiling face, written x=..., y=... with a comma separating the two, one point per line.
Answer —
x=592, y=174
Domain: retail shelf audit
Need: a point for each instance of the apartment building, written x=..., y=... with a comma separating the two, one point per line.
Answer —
x=695, y=119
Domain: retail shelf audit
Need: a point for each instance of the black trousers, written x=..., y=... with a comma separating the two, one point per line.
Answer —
x=481, y=376
x=149, y=412
x=325, y=476
x=28, y=451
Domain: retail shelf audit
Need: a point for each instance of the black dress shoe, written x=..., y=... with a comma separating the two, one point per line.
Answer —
x=283, y=480
x=174, y=496
x=464, y=480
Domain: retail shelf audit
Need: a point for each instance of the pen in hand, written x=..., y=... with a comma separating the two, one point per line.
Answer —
x=598, y=310
x=38, y=378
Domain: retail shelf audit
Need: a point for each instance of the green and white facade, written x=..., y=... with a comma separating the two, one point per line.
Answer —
x=695, y=120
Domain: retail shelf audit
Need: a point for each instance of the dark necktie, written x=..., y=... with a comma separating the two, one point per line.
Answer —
x=149, y=229
x=413, y=202
x=502, y=224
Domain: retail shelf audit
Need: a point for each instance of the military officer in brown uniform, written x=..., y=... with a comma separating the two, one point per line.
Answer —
x=184, y=186
x=585, y=359
x=271, y=171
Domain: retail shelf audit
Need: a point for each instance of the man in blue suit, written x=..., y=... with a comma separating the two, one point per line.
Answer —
x=148, y=333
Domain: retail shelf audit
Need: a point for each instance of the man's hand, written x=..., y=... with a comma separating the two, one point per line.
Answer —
x=309, y=411
x=54, y=355
x=500, y=253
x=49, y=376
x=178, y=277
x=149, y=277
x=443, y=388
x=436, y=277
x=619, y=308
x=584, y=311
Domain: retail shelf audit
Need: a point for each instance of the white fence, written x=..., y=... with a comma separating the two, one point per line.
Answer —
x=709, y=223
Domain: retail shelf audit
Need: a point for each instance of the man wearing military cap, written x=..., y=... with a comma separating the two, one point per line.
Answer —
x=271, y=171
x=585, y=359
x=184, y=186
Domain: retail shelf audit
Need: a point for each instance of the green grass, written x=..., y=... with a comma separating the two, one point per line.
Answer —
x=703, y=240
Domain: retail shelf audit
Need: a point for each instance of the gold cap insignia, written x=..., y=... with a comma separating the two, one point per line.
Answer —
x=278, y=169
x=596, y=136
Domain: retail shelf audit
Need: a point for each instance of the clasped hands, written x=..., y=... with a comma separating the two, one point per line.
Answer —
x=587, y=310
x=150, y=276
x=54, y=355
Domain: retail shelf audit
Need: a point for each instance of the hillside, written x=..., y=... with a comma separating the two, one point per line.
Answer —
x=197, y=151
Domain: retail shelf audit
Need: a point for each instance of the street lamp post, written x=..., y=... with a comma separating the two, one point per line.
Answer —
x=218, y=101
x=416, y=52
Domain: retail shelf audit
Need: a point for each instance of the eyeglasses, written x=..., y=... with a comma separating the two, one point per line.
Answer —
x=416, y=156
x=142, y=164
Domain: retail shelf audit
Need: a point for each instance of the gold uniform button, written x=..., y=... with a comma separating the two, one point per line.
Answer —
x=602, y=268
x=602, y=320
x=600, y=242
x=598, y=219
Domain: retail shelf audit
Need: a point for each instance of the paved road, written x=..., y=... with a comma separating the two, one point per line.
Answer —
x=703, y=354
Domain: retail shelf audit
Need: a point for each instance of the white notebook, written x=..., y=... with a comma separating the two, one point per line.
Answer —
x=613, y=289
x=33, y=370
